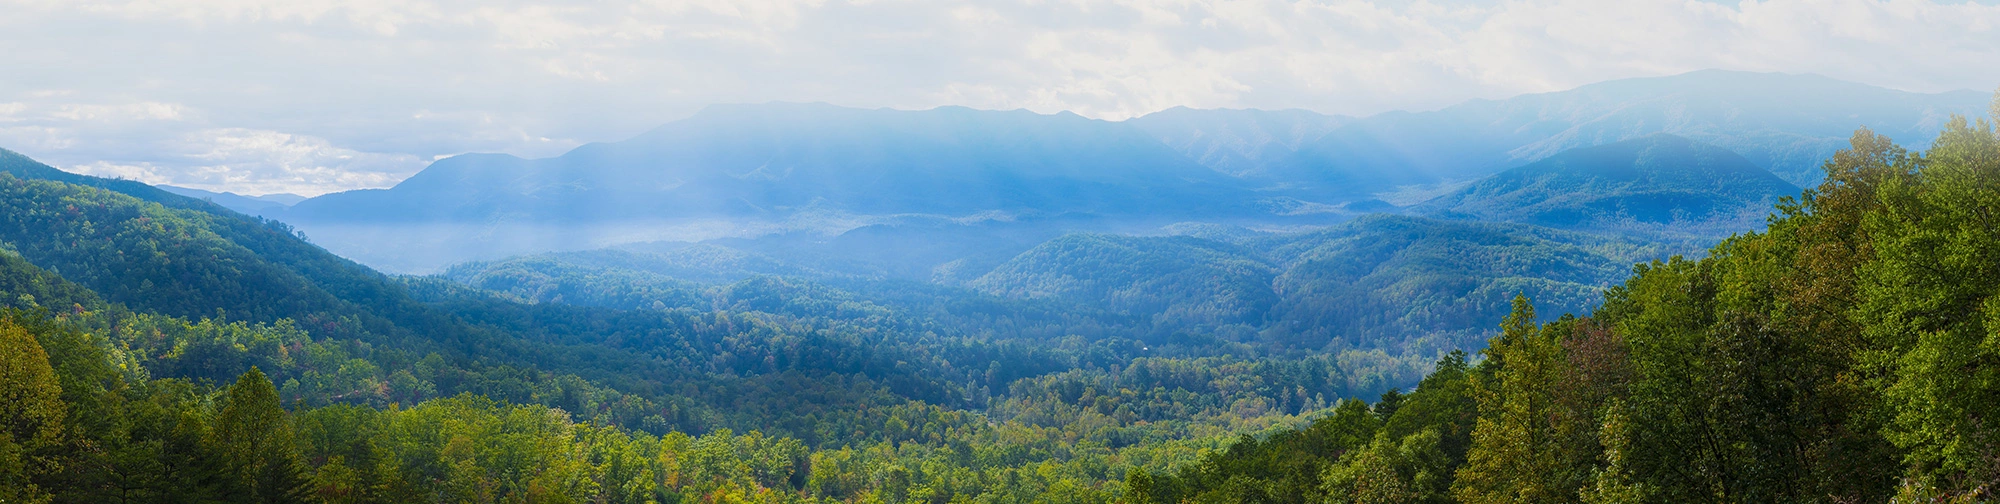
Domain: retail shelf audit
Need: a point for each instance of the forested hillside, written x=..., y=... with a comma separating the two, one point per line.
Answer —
x=168, y=349
x=1847, y=354
x=1410, y=288
x=1658, y=184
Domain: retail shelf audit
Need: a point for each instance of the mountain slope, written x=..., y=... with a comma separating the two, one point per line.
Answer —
x=1784, y=123
x=754, y=170
x=1428, y=286
x=196, y=270
x=749, y=171
x=1175, y=281
x=1402, y=285
x=1240, y=143
x=267, y=205
x=1656, y=181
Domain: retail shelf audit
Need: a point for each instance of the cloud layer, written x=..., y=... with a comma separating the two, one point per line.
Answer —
x=311, y=96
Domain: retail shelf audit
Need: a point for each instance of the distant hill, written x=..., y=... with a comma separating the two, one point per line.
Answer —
x=1379, y=282
x=1173, y=281
x=1784, y=123
x=1240, y=143
x=267, y=205
x=1428, y=285
x=1401, y=284
x=802, y=169
x=774, y=161
x=1658, y=181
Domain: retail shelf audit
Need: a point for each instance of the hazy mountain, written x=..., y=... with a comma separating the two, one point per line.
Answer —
x=272, y=205
x=803, y=173
x=1240, y=143
x=1659, y=181
x=806, y=171
x=1784, y=123
x=774, y=161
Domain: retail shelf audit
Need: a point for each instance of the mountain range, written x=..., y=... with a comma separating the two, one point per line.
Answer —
x=268, y=204
x=781, y=169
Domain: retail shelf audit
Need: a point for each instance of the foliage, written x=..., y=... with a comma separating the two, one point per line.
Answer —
x=1845, y=355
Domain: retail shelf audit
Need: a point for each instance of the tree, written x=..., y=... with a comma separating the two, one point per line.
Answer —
x=31, y=415
x=1412, y=471
x=252, y=431
x=1930, y=305
x=1528, y=445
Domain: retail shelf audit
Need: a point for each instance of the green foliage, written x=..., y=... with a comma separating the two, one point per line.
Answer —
x=1404, y=453
x=1844, y=355
x=252, y=432
x=31, y=404
x=1177, y=282
x=1426, y=287
x=1526, y=446
x=1414, y=470
x=1931, y=309
x=377, y=385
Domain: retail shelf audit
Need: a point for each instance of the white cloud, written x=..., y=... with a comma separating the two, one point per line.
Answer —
x=122, y=83
x=256, y=162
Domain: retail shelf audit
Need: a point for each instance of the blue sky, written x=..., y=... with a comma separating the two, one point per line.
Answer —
x=311, y=96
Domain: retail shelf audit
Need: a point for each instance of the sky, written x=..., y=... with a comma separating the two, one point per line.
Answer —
x=316, y=96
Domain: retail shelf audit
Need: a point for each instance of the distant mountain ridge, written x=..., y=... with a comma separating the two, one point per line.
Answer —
x=269, y=204
x=770, y=161
x=802, y=170
x=1784, y=123
x=1655, y=181
x=1243, y=143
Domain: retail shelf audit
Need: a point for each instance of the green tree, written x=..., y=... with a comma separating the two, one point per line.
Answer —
x=31, y=416
x=253, y=432
x=1413, y=471
x=1525, y=447
x=1930, y=303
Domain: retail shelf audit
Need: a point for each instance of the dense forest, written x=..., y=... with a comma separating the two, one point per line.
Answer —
x=155, y=348
x=153, y=313
x=1846, y=354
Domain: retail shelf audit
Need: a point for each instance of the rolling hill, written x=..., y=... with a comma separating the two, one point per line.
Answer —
x=1176, y=282
x=173, y=271
x=1403, y=285
x=1657, y=182
x=270, y=204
